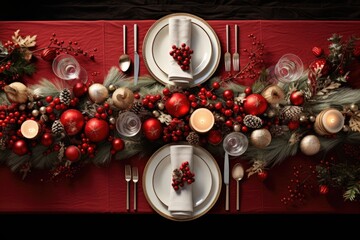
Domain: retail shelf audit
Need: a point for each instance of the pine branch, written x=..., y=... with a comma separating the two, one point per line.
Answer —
x=352, y=192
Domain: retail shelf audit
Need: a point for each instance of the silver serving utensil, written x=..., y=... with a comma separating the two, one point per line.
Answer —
x=136, y=57
x=237, y=174
x=227, y=56
x=128, y=179
x=236, y=56
x=135, y=178
x=124, y=60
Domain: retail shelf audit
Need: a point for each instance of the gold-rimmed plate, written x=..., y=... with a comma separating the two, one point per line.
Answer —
x=156, y=51
x=200, y=188
x=158, y=205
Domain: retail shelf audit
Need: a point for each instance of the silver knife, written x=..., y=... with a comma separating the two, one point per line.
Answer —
x=136, y=57
x=226, y=180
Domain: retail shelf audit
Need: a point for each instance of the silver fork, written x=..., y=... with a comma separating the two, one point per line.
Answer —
x=128, y=179
x=135, y=178
x=227, y=56
x=236, y=61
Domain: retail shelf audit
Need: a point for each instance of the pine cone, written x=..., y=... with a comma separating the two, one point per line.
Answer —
x=193, y=138
x=57, y=128
x=252, y=121
x=291, y=112
x=137, y=107
x=65, y=96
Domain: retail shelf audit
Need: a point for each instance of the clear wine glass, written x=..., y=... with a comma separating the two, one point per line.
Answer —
x=66, y=67
x=289, y=68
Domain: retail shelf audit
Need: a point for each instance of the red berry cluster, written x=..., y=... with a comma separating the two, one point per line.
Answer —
x=182, y=175
x=182, y=55
x=57, y=46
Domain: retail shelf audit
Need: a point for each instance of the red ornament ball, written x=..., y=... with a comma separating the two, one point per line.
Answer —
x=72, y=153
x=178, y=105
x=96, y=130
x=79, y=89
x=214, y=136
x=228, y=94
x=152, y=129
x=48, y=54
x=73, y=121
x=255, y=104
x=324, y=189
x=262, y=175
x=317, y=51
x=117, y=144
x=293, y=125
x=20, y=147
x=297, y=98
x=47, y=139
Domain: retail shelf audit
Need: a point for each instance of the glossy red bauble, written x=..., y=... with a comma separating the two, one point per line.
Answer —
x=20, y=147
x=228, y=94
x=96, y=130
x=323, y=189
x=47, y=139
x=117, y=144
x=255, y=104
x=79, y=89
x=297, y=98
x=48, y=54
x=72, y=153
x=73, y=121
x=152, y=128
x=177, y=105
x=214, y=136
x=262, y=175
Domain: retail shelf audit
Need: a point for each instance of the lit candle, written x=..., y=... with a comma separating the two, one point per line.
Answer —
x=333, y=121
x=202, y=120
x=30, y=129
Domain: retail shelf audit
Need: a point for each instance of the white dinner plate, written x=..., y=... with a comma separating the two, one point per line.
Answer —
x=154, y=58
x=163, y=179
x=199, y=59
x=151, y=194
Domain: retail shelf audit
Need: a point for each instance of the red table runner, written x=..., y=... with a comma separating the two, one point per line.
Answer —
x=103, y=189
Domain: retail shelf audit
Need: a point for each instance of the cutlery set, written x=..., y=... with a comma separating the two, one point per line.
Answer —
x=131, y=173
x=227, y=56
x=125, y=61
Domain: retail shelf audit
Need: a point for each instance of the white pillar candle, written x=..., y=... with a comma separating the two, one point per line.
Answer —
x=30, y=129
x=333, y=120
x=202, y=120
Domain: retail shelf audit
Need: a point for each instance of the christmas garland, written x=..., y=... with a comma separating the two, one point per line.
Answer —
x=78, y=124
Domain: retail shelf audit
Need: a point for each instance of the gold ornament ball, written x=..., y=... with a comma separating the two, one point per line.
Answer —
x=310, y=145
x=237, y=127
x=98, y=93
x=42, y=109
x=112, y=88
x=123, y=98
x=260, y=138
x=354, y=107
x=273, y=94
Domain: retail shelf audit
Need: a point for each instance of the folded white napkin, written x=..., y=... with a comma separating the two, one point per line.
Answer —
x=181, y=201
x=179, y=32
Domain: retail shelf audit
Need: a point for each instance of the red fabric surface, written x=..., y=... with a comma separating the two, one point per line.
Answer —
x=103, y=189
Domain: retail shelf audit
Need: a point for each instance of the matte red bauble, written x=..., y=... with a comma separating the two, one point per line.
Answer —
x=255, y=104
x=73, y=121
x=152, y=128
x=117, y=144
x=72, y=153
x=97, y=130
x=79, y=89
x=214, y=136
x=177, y=105
x=20, y=147
x=297, y=98
x=47, y=139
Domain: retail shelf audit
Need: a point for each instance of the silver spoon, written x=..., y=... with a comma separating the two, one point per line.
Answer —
x=124, y=60
x=237, y=174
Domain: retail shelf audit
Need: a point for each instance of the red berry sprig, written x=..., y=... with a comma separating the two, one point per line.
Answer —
x=182, y=55
x=182, y=175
